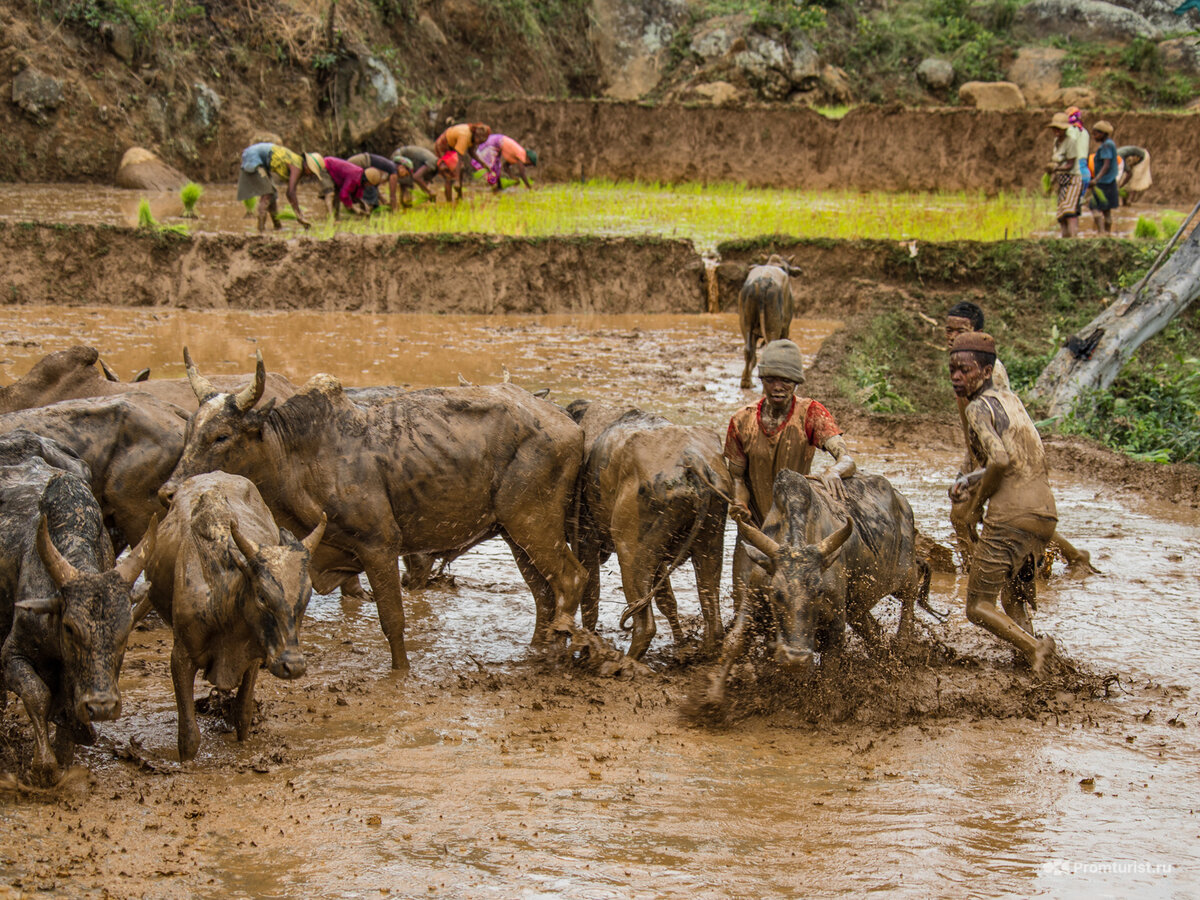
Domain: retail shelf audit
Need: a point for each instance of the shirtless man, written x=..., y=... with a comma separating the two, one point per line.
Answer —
x=1013, y=483
x=960, y=319
x=781, y=431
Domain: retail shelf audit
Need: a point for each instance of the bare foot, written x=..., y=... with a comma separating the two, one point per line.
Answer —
x=1082, y=563
x=1042, y=654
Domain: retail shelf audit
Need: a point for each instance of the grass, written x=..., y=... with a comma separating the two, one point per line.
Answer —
x=707, y=214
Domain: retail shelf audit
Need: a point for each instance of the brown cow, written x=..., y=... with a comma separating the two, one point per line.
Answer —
x=431, y=471
x=233, y=586
x=765, y=308
x=644, y=494
x=72, y=375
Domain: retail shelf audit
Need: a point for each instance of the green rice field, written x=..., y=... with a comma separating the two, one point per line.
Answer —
x=709, y=214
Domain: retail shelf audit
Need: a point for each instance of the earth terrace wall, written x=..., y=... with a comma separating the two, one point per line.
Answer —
x=871, y=148
x=107, y=266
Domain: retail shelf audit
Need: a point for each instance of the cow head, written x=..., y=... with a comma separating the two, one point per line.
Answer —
x=280, y=591
x=797, y=589
x=220, y=434
x=788, y=265
x=93, y=615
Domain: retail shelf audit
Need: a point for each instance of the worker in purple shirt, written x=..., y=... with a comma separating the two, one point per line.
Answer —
x=348, y=183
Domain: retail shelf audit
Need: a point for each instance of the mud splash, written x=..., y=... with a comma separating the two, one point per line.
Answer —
x=491, y=771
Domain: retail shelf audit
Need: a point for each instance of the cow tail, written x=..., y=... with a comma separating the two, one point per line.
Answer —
x=762, y=320
x=699, y=486
x=923, y=592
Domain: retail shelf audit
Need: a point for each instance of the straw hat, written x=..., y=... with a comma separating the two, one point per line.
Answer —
x=1059, y=121
x=374, y=176
x=1103, y=125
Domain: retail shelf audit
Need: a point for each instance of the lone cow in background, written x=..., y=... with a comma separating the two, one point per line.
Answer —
x=65, y=611
x=821, y=564
x=645, y=494
x=429, y=472
x=765, y=307
x=233, y=586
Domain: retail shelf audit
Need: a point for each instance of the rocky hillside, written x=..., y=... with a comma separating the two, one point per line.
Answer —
x=196, y=81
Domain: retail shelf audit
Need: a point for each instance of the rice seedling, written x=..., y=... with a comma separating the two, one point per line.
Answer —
x=1146, y=228
x=709, y=214
x=251, y=203
x=145, y=216
x=189, y=195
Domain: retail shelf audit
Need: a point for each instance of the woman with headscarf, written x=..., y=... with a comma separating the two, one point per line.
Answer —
x=1136, y=177
x=1064, y=170
x=1080, y=133
x=498, y=151
x=416, y=166
x=261, y=161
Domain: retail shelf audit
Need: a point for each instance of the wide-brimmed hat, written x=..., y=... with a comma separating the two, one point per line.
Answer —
x=1103, y=125
x=1060, y=121
x=373, y=175
x=314, y=164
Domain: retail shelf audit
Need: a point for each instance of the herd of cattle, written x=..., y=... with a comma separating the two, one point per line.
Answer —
x=237, y=497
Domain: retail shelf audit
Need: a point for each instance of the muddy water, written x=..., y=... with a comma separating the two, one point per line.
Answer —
x=489, y=771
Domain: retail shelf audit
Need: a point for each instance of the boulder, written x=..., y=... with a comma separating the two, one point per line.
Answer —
x=1037, y=71
x=632, y=41
x=714, y=39
x=119, y=38
x=1084, y=20
x=806, y=64
x=718, y=93
x=36, y=93
x=141, y=170
x=936, y=74
x=1181, y=55
x=206, y=106
x=366, y=95
x=835, y=84
x=991, y=95
x=1082, y=97
x=767, y=66
x=429, y=28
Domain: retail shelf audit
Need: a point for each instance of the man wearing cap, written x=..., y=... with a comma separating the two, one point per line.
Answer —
x=416, y=166
x=1104, y=196
x=780, y=431
x=388, y=170
x=1070, y=146
x=1014, y=484
x=261, y=161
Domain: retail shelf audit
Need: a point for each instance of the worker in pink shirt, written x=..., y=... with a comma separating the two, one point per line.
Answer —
x=348, y=182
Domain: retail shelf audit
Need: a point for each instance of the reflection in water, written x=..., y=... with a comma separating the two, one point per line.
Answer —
x=964, y=808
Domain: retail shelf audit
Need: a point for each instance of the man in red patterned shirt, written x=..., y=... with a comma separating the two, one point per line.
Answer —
x=780, y=431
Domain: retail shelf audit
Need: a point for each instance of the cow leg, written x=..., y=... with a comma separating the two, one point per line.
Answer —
x=706, y=561
x=749, y=351
x=243, y=706
x=543, y=593
x=352, y=589
x=543, y=538
x=664, y=599
x=383, y=573
x=64, y=746
x=858, y=615
x=26, y=684
x=589, y=606
x=183, y=677
x=637, y=580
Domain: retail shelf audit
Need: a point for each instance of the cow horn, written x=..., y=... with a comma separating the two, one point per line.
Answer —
x=757, y=539
x=248, y=547
x=131, y=566
x=252, y=393
x=201, y=386
x=109, y=374
x=314, y=537
x=829, y=547
x=60, y=570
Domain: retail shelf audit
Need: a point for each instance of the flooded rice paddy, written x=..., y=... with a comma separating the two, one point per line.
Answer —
x=490, y=771
x=705, y=214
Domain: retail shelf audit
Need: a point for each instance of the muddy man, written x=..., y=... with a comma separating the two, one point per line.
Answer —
x=960, y=319
x=1014, y=484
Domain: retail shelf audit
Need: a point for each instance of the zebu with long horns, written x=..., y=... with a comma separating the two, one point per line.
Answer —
x=427, y=472
x=822, y=564
x=765, y=307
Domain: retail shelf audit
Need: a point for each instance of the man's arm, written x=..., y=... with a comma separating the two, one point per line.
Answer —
x=979, y=420
x=294, y=173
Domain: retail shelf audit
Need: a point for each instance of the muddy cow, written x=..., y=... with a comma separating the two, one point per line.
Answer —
x=821, y=564
x=65, y=611
x=644, y=494
x=431, y=471
x=765, y=308
x=72, y=375
x=233, y=586
x=131, y=444
x=18, y=446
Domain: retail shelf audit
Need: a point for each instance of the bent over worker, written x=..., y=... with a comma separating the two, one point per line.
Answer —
x=260, y=162
x=1014, y=484
x=781, y=431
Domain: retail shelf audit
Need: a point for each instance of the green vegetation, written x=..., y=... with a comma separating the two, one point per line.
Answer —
x=189, y=195
x=145, y=216
x=1146, y=228
x=867, y=373
x=148, y=19
x=709, y=213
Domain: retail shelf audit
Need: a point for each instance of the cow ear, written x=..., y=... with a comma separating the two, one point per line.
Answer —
x=760, y=559
x=43, y=606
x=239, y=559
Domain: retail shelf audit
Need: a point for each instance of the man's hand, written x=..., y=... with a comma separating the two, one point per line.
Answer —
x=739, y=513
x=961, y=489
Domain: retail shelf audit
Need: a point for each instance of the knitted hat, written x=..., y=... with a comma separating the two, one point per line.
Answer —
x=979, y=341
x=781, y=359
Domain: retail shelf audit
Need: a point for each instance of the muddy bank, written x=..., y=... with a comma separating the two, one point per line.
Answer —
x=101, y=266
x=926, y=150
